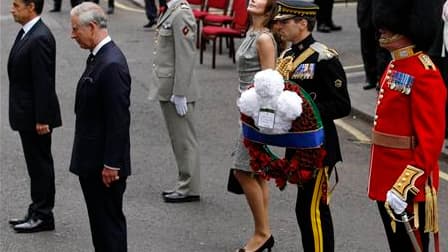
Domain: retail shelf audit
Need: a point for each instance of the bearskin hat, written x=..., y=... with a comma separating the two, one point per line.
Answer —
x=416, y=19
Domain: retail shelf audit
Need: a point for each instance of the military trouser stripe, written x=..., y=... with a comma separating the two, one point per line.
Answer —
x=315, y=212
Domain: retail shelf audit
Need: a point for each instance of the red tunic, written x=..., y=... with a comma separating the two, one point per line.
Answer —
x=421, y=114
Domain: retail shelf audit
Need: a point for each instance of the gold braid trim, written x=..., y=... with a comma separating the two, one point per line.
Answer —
x=416, y=219
x=285, y=65
x=406, y=182
x=431, y=210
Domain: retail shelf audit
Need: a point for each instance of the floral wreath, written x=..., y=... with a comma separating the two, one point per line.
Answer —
x=300, y=164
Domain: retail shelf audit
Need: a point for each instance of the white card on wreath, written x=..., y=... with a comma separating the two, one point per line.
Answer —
x=266, y=118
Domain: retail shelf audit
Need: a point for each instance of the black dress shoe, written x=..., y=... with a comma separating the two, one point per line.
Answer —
x=369, y=86
x=110, y=10
x=323, y=28
x=334, y=27
x=176, y=197
x=55, y=10
x=150, y=24
x=15, y=221
x=34, y=225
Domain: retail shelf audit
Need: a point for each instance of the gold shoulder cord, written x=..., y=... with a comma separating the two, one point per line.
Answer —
x=285, y=65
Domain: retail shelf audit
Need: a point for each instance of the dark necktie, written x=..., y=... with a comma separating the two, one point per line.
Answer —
x=90, y=59
x=19, y=36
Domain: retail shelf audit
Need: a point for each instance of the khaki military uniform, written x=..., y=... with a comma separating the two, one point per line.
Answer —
x=174, y=74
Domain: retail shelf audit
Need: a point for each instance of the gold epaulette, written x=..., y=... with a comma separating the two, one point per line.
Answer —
x=427, y=62
x=406, y=182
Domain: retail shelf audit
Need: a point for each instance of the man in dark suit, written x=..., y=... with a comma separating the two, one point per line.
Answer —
x=34, y=109
x=101, y=148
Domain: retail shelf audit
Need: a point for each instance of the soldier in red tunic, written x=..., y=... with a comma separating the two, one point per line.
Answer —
x=408, y=130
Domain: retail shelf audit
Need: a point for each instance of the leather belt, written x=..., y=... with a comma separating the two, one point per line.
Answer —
x=393, y=141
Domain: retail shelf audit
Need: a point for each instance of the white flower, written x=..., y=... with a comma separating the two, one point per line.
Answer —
x=268, y=94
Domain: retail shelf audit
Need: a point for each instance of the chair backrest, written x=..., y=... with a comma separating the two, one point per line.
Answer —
x=218, y=4
x=240, y=15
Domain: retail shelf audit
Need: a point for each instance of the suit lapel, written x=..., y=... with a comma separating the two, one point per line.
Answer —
x=88, y=76
x=20, y=43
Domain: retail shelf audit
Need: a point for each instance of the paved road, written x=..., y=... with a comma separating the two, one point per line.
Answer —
x=220, y=222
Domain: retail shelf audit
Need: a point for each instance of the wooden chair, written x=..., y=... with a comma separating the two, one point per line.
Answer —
x=237, y=29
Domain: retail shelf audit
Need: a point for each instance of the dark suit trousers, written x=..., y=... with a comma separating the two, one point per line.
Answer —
x=400, y=241
x=39, y=162
x=325, y=13
x=374, y=57
x=151, y=8
x=57, y=3
x=314, y=216
x=110, y=3
x=106, y=217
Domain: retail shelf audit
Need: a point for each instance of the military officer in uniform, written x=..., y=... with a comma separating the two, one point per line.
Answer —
x=408, y=130
x=316, y=68
x=176, y=87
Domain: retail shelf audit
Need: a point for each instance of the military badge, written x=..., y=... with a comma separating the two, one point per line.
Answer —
x=427, y=62
x=185, y=30
x=401, y=82
x=304, y=71
x=338, y=83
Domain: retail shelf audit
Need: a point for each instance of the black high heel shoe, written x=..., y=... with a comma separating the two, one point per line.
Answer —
x=268, y=244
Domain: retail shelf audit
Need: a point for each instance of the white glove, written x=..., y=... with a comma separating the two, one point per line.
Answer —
x=181, y=104
x=445, y=11
x=398, y=205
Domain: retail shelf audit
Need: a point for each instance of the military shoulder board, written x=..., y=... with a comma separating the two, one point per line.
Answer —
x=427, y=62
x=324, y=52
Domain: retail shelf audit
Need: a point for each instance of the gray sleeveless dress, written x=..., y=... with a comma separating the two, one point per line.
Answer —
x=248, y=65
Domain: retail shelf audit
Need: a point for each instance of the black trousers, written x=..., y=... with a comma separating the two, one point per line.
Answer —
x=106, y=217
x=57, y=3
x=110, y=3
x=325, y=13
x=39, y=162
x=374, y=57
x=400, y=241
x=313, y=215
x=151, y=8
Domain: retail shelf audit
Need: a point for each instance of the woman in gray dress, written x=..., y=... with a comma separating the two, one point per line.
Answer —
x=256, y=52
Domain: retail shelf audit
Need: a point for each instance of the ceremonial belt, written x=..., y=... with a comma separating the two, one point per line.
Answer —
x=297, y=140
x=393, y=141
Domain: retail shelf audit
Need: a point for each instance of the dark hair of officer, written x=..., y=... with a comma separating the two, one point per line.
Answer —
x=38, y=5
